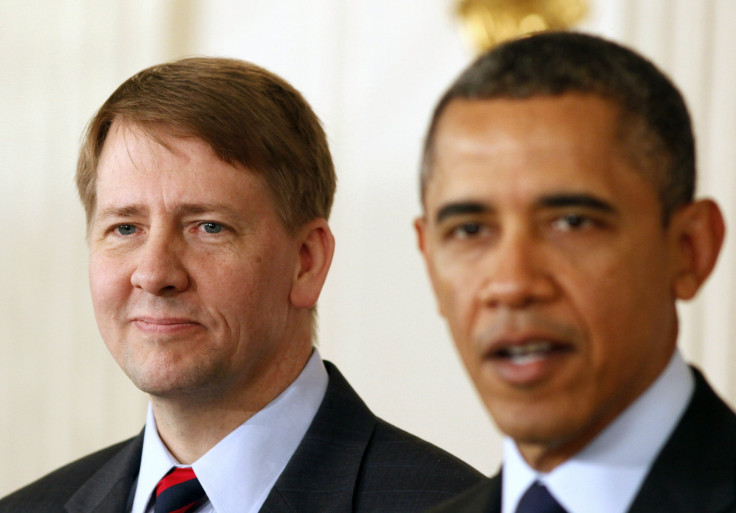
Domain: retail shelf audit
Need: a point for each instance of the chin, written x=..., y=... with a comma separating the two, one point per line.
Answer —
x=534, y=423
x=162, y=382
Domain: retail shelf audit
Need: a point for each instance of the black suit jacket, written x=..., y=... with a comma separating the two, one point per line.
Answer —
x=348, y=461
x=694, y=473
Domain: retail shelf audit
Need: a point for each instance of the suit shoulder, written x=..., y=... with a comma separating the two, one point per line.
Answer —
x=484, y=496
x=50, y=492
x=411, y=471
x=696, y=468
x=392, y=444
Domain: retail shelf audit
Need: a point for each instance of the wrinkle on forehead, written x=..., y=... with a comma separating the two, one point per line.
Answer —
x=131, y=151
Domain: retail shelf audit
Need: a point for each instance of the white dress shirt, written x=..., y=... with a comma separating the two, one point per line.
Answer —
x=238, y=473
x=606, y=475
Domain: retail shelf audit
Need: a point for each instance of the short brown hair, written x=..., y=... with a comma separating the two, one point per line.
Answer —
x=248, y=116
x=655, y=123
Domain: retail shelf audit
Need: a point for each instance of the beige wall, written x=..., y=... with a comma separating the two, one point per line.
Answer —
x=372, y=70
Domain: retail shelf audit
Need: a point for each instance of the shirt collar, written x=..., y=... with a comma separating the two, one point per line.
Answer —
x=238, y=473
x=609, y=471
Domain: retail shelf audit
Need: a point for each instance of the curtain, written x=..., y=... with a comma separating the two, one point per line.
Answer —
x=373, y=71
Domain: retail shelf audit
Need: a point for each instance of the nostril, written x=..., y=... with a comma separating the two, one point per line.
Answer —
x=160, y=276
x=517, y=293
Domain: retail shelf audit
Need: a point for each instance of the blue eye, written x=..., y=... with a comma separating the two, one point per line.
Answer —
x=126, y=229
x=212, y=227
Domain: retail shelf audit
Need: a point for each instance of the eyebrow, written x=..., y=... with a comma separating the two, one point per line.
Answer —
x=185, y=209
x=561, y=200
x=126, y=211
x=460, y=208
x=576, y=200
x=189, y=209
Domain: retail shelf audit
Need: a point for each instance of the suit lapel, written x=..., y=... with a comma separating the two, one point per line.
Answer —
x=109, y=489
x=320, y=477
x=696, y=470
x=322, y=473
x=493, y=496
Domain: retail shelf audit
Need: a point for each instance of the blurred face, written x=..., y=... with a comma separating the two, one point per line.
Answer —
x=190, y=268
x=549, y=260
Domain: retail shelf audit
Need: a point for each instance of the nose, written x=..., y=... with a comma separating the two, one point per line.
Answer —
x=517, y=273
x=160, y=270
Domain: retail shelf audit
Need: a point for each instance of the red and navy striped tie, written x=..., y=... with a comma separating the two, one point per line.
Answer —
x=179, y=491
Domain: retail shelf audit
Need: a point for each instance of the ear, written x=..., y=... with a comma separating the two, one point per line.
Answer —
x=317, y=246
x=698, y=231
x=420, y=226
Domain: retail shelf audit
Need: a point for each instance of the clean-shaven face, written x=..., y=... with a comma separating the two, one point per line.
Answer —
x=550, y=262
x=190, y=266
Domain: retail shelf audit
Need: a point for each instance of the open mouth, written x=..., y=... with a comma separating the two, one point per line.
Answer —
x=530, y=352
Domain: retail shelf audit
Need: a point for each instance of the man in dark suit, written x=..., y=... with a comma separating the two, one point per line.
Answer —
x=559, y=230
x=207, y=185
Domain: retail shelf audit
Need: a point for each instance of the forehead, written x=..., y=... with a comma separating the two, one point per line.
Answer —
x=138, y=167
x=128, y=143
x=528, y=146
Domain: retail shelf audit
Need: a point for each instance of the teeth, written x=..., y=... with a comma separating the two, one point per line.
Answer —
x=538, y=346
x=528, y=353
x=526, y=359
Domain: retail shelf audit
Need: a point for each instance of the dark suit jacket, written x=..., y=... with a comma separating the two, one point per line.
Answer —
x=348, y=461
x=694, y=473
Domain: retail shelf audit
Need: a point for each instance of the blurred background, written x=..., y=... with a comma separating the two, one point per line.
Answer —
x=372, y=70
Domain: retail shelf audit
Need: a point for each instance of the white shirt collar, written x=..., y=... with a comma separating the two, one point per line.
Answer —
x=238, y=473
x=609, y=471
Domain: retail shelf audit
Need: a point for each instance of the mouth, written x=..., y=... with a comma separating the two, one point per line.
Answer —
x=528, y=361
x=529, y=352
x=164, y=325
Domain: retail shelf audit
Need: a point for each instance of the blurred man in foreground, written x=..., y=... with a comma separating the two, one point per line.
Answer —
x=207, y=185
x=559, y=230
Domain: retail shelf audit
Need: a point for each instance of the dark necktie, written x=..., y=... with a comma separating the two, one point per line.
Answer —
x=537, y=499
x=179, y=491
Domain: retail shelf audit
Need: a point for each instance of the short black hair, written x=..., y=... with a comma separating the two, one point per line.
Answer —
x=655, y=120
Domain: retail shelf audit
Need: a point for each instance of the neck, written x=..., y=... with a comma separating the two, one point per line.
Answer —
x=191, y=424
x=546, y=456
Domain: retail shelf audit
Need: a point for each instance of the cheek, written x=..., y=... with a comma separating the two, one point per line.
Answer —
x=456, y=298
x=235, y=297
x=620, y=305
x=595, y=295
x=108, y=283
x=243, y=288
x=109, y=294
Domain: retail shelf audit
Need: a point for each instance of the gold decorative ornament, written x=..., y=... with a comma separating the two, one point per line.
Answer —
x=489, y=22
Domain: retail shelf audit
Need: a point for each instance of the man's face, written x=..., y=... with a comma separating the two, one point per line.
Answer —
x=190, y=267
x=549, y=260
